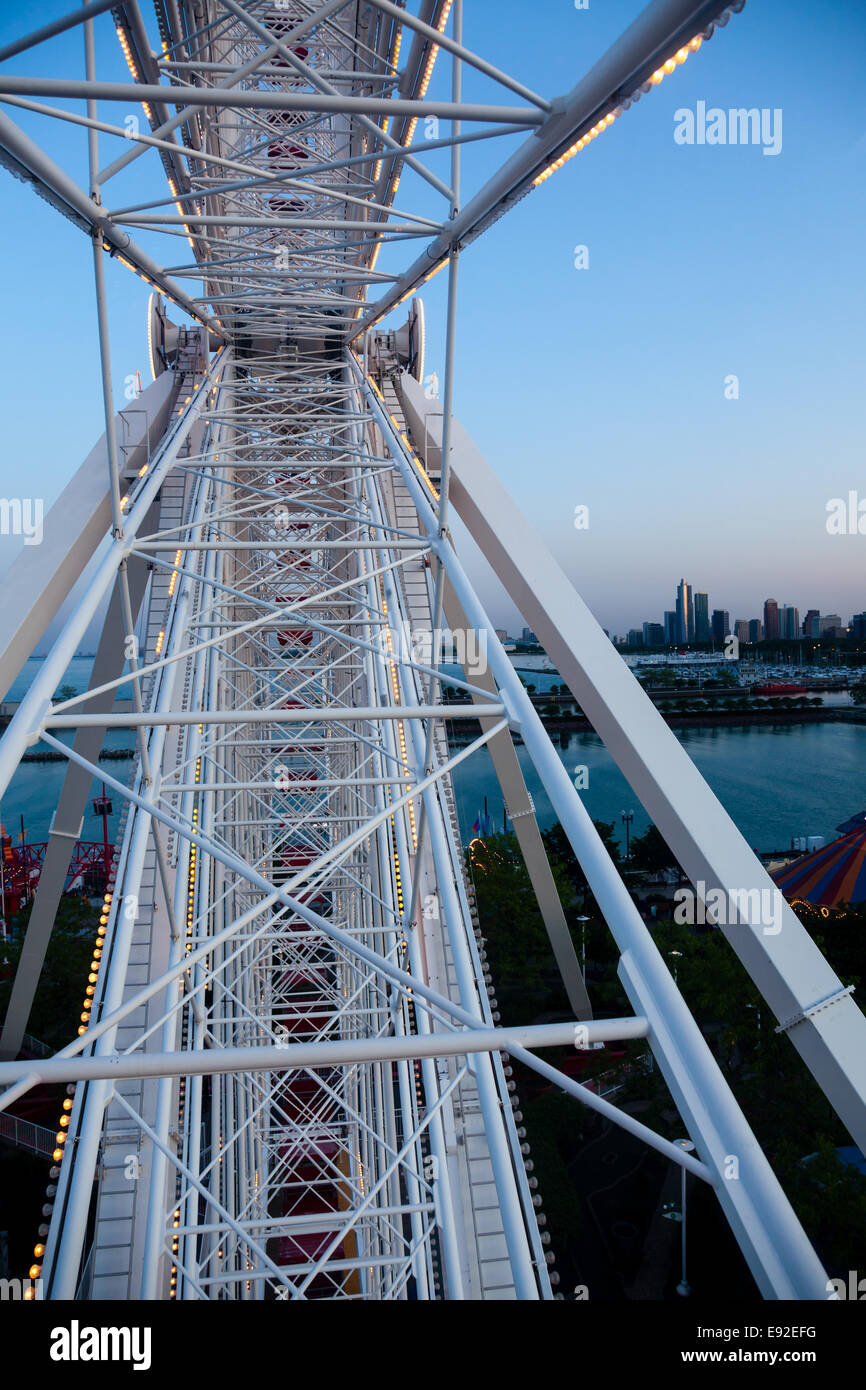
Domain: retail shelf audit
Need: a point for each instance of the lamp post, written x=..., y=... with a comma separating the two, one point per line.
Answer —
x=627, y=817
x=102, y=807
x=583, y=921
x=683, y=1287
x=675, y=953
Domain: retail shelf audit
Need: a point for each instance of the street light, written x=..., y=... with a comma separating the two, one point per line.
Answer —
x=675, y=953
x=583, y=921
x=683, y=1287
x=103, y=807
x=627, y=817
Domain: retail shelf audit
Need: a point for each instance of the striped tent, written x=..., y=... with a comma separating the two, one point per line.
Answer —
x=834, y=874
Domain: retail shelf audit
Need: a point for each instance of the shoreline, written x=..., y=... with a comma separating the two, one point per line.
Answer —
x=708, y=719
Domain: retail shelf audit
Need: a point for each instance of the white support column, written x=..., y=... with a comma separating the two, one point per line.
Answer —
x=778, y=953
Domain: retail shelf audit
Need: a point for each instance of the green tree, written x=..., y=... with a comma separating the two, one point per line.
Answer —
x=650, y=851
x=518, y=948
x=57, y=1006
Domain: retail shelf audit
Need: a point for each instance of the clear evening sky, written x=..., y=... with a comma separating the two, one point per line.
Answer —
x=602, y=386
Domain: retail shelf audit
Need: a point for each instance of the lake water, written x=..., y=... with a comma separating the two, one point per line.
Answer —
x=775, y=782
x=35, y=789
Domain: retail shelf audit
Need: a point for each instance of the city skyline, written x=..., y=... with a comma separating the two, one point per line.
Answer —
x=694, y=621
x=684, y=470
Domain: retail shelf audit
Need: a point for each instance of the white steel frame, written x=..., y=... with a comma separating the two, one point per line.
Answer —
x=265, y=1029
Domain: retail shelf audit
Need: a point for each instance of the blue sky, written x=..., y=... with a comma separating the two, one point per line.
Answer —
x=602, y=386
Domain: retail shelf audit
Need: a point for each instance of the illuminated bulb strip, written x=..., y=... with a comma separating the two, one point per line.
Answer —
x=408, y=295
x=431, y=57
x=401, y=735
x=182, y=212
x=375, y=256
x=127, y=53
x=159, y=641
x=395, y=53
x=130, y=63
x=658, y=76
x=577, y=147
x=60, y=1137
x=428, y=72
x=190, y=913
x=378, y=169
x=174, y=574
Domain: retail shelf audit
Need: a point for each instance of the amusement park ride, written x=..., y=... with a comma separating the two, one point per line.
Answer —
x=288, y=1081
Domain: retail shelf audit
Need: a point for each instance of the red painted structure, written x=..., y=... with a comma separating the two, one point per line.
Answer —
x=21, y=865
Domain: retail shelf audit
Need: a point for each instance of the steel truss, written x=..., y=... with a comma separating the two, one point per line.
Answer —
x=288, y=1080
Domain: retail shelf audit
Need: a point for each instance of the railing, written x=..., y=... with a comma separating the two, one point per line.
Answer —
x=35, y=1046
x=607, y=1083
x=26, y=1135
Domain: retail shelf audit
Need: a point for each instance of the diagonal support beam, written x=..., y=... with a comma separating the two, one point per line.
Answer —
x=778, y=953
x=66, y=824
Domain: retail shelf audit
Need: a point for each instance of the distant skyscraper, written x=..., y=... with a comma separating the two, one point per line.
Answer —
x=812, y=623
x=528, y=635
x=685, y=613
x=653, y=635
x=771, y=620
x=741, y=630
x=635, y=638
x=756, y=630
x=702, y=618
x=829, y=624
x=858, y=627
x=670, y=629
x=789, y=623
x=721, y=626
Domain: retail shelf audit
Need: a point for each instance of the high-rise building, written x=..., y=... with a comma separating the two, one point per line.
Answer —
x=635, y=638
x=702, y=618
x=528, y=635
x=670, y=629
x=829, y=624
x=858, y=627
x=721, y=626
x=789, y=623
x=812, y=623
x=685, y=613
x=653, y=635
x=756, y=630
x=771, y=620
x=741, y=630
